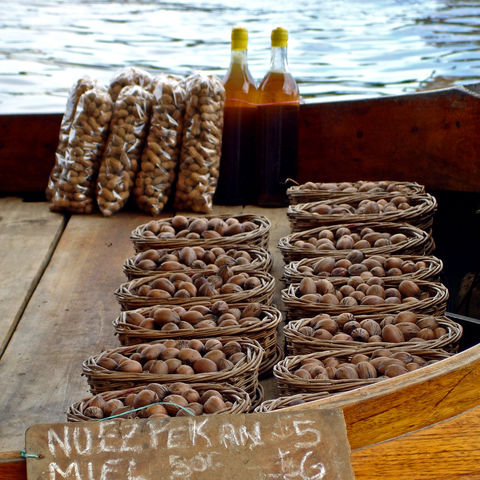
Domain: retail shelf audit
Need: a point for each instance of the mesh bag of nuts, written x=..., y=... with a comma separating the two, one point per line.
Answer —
x=160, y=155
x=119, y=165
x=127, y=77
x=81, y=86
x=76, y=185
x=202, y=143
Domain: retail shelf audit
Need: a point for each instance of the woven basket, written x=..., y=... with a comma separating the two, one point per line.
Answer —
x=261, y=261
x=420, y=214
x=418, y=241
x=293, y=272
x=434, y=305
x=240, y=400
x=299, y=344
x=244, y=375
x=290, y=384
x=265, y=333
x=129, y=300
x=256, y=237
x=285, y=402
x=314, y=192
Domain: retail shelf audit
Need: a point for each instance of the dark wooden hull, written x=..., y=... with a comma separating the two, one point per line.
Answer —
x=431, y=137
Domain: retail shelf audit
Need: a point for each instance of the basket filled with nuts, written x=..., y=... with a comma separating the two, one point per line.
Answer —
x=359, y=296
x=289, y=401
x=405, y=330
x=343, y=370
x=357, y=263
x=417, y=210
x=208, y=231
x=239, y=258
x=232, y=360
x=252, y=320
x=196, y=288
x=316, y=191
x=157, y=400
x=337, y=241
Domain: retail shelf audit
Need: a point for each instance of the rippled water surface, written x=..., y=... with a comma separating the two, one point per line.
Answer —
x=338, y=49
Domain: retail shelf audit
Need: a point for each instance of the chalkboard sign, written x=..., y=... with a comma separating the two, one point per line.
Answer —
x=307, y=445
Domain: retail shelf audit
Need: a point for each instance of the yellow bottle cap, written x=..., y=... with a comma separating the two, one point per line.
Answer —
x=279, y=37
x=239, y=38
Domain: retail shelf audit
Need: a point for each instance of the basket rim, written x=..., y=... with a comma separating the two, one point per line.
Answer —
x=241, y=404
x=282, y=371
x=262, y=261
x=416, y=239
x=254, y=355
x=282, y=402
x=292, y=302
x=300, y=190
x=294, y=337
x=434, y=267
x=124, y=328
x=126, y=298
x=258, y=235
x=426, y=205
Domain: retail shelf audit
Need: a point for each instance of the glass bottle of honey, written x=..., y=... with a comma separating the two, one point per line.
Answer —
x=235, y=185
x=277, y=133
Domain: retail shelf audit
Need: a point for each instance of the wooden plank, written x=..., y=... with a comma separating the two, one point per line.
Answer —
x=431, y=138
x=409, y=402
x=447, y=450
x=28, y=235
x=27, y=151
x=279, y=445
x=67, y=319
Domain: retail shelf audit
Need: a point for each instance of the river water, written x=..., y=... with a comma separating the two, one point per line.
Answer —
x=338, y=49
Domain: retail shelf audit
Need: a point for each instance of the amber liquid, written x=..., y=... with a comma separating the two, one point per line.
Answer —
x=277, y=137
x=235, y=185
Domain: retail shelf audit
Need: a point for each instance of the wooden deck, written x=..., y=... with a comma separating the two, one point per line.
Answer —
x=57, y=305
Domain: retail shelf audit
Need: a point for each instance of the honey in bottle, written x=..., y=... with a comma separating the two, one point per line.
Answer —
x=277, y=126
x=235, y=183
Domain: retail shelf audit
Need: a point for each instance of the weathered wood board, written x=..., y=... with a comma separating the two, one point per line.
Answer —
x=447, y=450
x=28, y=235
x=67, y=319
x=310, y=445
